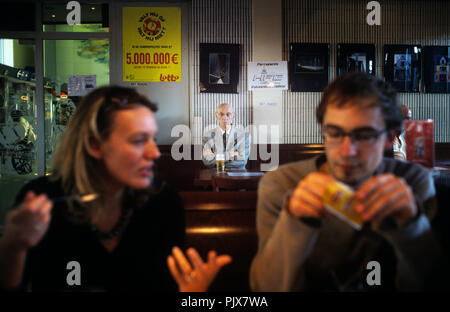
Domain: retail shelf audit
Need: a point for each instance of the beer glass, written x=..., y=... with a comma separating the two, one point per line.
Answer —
x=220, y=163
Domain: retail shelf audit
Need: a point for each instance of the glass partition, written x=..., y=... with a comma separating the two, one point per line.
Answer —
x=86, y=64
x=17, y=118
x=71, y=69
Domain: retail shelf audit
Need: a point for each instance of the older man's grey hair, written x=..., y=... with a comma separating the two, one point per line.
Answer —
x=222, y=105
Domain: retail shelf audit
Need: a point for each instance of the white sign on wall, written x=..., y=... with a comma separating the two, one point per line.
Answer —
x=267, y=76
x=81, y=85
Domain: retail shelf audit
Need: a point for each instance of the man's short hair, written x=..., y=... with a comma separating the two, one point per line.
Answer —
x=361, y=85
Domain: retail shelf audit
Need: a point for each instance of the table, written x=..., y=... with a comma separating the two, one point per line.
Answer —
x=442, y=163
x=241, y=178
x=441, y=174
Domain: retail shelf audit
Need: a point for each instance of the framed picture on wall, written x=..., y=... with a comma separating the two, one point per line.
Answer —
x=355, y=58
x=219, y=67
x=308, y=65
x=437, y=69
x=402, y=66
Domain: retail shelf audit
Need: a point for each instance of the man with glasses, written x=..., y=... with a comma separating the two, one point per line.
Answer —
x=304, y=247
x=226, y=139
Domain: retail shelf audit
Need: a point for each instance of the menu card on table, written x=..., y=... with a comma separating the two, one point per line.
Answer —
x=245, y=174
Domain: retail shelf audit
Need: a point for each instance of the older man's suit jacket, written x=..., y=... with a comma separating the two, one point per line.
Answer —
x=237, y=140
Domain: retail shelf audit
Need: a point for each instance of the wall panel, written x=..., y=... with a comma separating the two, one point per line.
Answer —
x=220, y=21
x=423, y=22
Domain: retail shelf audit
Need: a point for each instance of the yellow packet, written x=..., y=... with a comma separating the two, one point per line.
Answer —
x=339, y=199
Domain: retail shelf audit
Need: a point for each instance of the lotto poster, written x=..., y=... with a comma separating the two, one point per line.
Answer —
x=151, y=44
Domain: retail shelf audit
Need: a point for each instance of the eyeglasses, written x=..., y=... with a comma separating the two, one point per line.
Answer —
x=362, y=136
x=112, y=103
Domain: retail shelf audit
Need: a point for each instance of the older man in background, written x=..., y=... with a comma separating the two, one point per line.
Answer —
x=227, y=139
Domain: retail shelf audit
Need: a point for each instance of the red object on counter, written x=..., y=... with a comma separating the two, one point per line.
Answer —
x=419, y=137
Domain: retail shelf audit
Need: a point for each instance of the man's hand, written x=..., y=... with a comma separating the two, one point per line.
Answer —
x=384, y=196
x=307, y=198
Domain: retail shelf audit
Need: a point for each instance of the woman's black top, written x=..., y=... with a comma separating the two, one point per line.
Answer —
x=137, y=263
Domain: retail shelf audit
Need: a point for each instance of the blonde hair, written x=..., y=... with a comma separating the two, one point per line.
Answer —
x=93, y=119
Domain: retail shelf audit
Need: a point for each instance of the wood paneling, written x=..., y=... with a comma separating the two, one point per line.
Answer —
x=225, y=222
x=181, y=173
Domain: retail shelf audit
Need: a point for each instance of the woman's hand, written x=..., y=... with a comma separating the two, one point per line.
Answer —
x=26, y=225
x=198, y=278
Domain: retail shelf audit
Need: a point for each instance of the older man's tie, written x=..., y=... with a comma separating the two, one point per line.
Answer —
x=224, y=142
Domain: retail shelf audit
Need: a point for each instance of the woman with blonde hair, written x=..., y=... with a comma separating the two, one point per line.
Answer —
x=99, y=222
